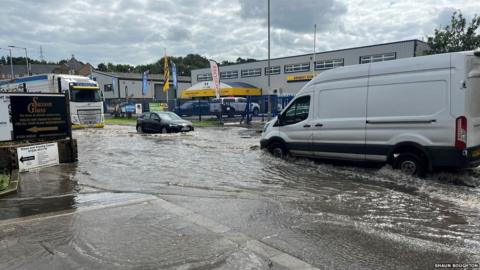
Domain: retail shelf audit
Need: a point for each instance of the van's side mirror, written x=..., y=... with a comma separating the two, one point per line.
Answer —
x=280, y=120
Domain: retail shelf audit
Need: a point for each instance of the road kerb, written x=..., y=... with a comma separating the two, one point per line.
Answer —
x=273, y=254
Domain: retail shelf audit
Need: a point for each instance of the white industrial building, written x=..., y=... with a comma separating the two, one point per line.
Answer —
x=289, y=74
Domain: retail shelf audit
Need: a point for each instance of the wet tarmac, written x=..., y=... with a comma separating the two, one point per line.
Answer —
x=212, y=200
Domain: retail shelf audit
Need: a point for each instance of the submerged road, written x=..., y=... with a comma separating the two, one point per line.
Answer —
x=212, y=200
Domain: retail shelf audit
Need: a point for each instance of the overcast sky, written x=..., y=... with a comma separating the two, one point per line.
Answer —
x=137, y=31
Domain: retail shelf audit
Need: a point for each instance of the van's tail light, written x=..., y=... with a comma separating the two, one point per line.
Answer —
x=461, y=133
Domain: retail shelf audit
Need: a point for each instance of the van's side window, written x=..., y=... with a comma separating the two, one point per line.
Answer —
x=298, y=111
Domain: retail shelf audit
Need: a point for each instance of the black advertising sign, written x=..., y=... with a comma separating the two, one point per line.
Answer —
x=39, y=117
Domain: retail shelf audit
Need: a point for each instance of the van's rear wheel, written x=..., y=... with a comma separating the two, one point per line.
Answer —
x=278, y=150
x=410, y=164
x=139, y=129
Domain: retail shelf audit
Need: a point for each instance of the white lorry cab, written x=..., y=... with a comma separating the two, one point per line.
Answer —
x=86, y=102
x=417, y=114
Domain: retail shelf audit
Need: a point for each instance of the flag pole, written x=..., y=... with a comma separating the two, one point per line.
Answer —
x=165, y=65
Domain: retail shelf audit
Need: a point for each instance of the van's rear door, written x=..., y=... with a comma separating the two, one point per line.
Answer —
x=408, y=102
x=473, y=104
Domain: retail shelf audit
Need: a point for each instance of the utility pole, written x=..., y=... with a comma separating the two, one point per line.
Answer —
x=11, y=65
x=314, y=47
x=11, y=62
x=28, y=66
x=269, y=70
x=26, y=57
x=42, y=58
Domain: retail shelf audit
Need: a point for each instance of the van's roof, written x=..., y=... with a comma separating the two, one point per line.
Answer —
x=411, y=64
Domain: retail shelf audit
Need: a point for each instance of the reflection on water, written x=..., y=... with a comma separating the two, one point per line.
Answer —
x=43, y=191
x=226, y=163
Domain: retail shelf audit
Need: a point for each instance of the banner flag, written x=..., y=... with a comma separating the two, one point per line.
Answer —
x=166, y=74
x=215, y=77
x=145, y=82
x=174, y=74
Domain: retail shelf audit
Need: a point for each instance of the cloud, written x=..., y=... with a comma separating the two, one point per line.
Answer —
x=178, y=33
x=296, y=16
x=137, y=31
x=445, y=16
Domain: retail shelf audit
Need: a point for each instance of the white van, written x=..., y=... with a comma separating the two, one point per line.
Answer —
x=237, y=105
x=416, y=114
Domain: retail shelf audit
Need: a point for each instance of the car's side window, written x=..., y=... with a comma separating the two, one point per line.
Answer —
x=154, y=116
x=146, y=116
x=297, y=112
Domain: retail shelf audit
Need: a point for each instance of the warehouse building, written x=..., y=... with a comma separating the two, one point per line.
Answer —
x=289, y=74
x=127, y=87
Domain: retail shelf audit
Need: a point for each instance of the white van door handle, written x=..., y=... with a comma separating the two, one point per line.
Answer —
x=307, y=126
x=319, y=125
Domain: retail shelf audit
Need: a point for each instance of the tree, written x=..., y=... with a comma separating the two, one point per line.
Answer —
x=102, y=67
x=458, y=36
x=184, y=64
x=248, y=60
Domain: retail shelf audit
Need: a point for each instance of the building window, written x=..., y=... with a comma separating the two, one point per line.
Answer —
x=378, y=58
x=255, y=72
x=328, y=64
x=225, y=75
x=273, y=70
x=204, y=77
x=108, y=88
x=297, y=68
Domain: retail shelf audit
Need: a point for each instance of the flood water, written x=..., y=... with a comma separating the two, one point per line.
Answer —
x=331, y=216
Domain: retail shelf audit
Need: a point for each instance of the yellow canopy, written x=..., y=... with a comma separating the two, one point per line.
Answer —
x=205, y=89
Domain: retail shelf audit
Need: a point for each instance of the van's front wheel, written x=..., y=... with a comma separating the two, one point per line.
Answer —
x=278, y=150
x=410, y=164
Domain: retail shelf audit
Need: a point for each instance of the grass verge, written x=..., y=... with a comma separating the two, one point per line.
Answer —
x=206, y=123
x=121, y=121
x=4, y=181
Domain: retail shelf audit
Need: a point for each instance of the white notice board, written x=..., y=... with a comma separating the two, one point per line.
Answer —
x=37, y=156
x=6, y=127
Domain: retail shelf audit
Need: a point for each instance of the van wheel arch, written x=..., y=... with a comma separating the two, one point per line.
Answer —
x=413, y=148
x=277, y=143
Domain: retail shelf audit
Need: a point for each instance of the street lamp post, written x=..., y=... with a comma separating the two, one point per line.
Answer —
x=26, y=57
x=314, y=47
x=11, y=63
